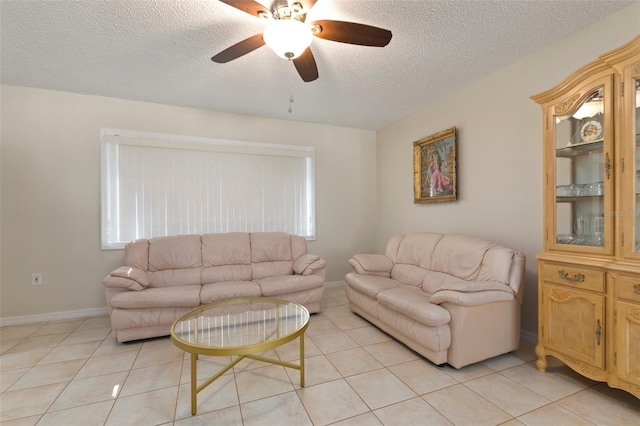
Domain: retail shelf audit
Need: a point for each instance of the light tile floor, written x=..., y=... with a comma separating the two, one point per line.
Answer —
x=75, y=373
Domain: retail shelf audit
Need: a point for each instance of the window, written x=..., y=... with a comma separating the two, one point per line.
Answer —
x=155, y=185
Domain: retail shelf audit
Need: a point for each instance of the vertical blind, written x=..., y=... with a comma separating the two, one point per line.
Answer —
x=157, y=185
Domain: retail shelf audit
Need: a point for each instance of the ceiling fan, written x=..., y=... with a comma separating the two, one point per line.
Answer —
x=289, y=36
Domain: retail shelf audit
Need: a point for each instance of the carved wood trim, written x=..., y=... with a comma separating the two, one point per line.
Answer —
x=566, y=106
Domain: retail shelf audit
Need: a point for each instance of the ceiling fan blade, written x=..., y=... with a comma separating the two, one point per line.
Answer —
x=307, y=4
x=353, y=33
x=239, y=49
x=250, y=6
x=306, y=66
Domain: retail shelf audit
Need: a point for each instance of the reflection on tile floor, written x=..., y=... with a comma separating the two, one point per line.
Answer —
x=75, y=373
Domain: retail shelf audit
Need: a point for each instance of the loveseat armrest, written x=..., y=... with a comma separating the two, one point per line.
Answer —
x=372, y=264
x=127, y=277
x=470, y=298
x=308, y=264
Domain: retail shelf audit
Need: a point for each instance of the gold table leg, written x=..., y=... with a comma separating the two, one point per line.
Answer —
x=302, y=360
x=194, y=385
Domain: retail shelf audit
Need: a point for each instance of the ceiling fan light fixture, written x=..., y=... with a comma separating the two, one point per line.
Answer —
x=288, y=38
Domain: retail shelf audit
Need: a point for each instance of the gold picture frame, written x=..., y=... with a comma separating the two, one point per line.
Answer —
x=434, y=168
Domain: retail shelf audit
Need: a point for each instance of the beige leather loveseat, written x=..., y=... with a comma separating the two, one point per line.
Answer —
x=452, y=298
x=163, y=278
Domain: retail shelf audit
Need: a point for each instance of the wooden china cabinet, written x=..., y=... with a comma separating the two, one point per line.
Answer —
x=589, y=271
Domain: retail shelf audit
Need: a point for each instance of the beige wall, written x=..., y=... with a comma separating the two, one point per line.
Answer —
x=499, y=151
x=50, y=192
x=49, y=173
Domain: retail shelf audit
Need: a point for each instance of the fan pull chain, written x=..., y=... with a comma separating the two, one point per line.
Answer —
x=290, y=104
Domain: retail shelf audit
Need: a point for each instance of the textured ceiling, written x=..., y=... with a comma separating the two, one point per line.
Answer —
x=159, y=51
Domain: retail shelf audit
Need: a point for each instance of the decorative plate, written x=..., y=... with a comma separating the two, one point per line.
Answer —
x=591, y=131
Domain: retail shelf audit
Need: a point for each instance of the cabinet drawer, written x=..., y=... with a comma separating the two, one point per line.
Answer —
x=628, y=288
x=574, y=276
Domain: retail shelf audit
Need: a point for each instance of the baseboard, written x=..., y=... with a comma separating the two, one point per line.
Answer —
x=528, y=337
x=53, y=316
x=330, y=284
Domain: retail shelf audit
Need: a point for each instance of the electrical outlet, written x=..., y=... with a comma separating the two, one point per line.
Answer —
x=36, y=278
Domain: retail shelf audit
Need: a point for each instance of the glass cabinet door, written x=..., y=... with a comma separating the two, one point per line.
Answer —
x=631, y=189
x=636, y=186
x=583, y=171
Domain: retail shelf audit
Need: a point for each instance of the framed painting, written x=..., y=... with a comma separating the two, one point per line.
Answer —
x=434, y=168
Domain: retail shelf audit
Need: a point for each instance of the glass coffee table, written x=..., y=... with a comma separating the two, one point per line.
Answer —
x=239, y=327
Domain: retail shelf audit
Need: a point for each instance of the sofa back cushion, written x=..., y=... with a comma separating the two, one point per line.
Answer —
x=226, y=257
x=496, y=265
x=460, y=256
x=271, y=254
x=136, y=254
x=175, y=260
x=412, y=256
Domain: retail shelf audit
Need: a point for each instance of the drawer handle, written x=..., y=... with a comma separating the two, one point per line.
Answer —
x=578, y=278
x=636, y=288
x=598, y=332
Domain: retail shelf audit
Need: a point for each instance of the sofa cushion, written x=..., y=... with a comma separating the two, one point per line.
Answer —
x=298, y=246
x=417, y=249
x=496, y=264
x=176, y=252
x=233, y=248
x=459, y=255
x=136, y=254
x=270, y=246
x=370, y=285
x=471, y=298
x=271, y=269
x=433, y=281
x=273, y=286
x=175, y=277
x=302, y=262
x=470, y=286
x=414, y=303
x=183, y=296
x=214, y=274
x=408, y=274
x=228, y=290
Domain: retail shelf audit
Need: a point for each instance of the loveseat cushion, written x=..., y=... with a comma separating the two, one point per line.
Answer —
x=182, y=296
x=414, y=303
x=372, y=264
x=370, y=285
x=273, y=286
x=460, y=256
x=417, y=249
x=470, y=298
x=228, y=290
x=496, y=265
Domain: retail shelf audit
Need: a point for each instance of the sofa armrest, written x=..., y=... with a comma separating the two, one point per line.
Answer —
x=470, y=298
x=372, y=264
x=308, y=264
x=127, y=277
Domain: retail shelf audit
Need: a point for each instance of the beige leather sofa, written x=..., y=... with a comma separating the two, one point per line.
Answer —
x=452, y=298
x=163, y=278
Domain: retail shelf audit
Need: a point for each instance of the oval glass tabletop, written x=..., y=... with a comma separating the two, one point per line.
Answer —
x=239, y=326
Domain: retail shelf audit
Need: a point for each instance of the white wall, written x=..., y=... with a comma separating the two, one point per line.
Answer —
x=499, y=157
x=50, y=189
